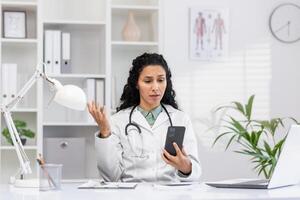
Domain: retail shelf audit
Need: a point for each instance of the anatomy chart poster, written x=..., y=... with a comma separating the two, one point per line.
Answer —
x=209, y=33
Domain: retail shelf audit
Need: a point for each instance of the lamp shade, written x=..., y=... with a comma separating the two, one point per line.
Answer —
x=70, y=96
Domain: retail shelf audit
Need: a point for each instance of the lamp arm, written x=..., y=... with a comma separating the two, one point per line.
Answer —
x=6, y=110
x=23, y=159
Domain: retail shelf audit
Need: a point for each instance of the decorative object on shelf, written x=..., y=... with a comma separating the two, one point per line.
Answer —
x=257, y=138
x=22, y=130
x=69, y=96
x=208, y=33
x=131, y=31
x=284, y=23
x=14, y=24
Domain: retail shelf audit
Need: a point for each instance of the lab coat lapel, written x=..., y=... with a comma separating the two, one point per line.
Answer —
x=139, y=119
x=163, y=117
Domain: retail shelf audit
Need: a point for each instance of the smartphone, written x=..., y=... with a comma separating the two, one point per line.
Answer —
x=174, y=134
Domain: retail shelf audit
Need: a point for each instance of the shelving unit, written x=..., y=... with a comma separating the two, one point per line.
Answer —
x=97, y=52
x=23, y=52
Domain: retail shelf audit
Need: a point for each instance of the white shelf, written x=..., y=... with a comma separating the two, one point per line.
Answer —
x=18, y=41
x=19, y=4
x=78, y=76
x=134, y=7
x=137, y=10
x=13, y=148
x=24, y=110
x=97, y=23
x=125, y=43
x=69, y=124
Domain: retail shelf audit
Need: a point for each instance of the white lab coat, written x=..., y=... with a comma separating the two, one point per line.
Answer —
x=117, y=162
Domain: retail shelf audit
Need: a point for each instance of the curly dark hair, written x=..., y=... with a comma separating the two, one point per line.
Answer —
x=131, y=95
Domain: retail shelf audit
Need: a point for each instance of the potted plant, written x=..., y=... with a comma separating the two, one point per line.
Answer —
x=22, y=130
x=255, y=137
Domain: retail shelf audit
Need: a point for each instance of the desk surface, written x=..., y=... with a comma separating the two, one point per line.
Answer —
x=149, y=191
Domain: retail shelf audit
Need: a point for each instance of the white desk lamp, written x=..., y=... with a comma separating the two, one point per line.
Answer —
x=69, y=96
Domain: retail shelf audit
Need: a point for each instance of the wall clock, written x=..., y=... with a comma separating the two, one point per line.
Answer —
x=284, y=22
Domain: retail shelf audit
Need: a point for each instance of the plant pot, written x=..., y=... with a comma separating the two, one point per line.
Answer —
x=23, y=141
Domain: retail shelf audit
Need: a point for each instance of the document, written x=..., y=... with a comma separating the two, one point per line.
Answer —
x=94, y=184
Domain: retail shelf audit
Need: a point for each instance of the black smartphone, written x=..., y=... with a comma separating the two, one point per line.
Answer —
x=174, y=134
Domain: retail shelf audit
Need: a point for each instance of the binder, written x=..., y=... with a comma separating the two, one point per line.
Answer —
x=66, y=53
x=56, y=52
x=90, y=94
x=100, y=91
x=12, y=71
x=9, y=82
x=48, y=51
x=4, y=84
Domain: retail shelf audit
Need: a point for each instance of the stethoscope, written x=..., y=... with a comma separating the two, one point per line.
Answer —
x=135, y=125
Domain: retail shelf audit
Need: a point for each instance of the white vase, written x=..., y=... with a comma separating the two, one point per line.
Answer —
x=131, y=31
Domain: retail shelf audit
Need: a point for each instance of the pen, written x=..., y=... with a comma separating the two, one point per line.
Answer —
x=41, y=162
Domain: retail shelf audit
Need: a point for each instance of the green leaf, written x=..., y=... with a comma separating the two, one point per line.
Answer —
x=221, y=135
x=20, y=124
x=230, y=141
x=239, y=107
x=249, y=107
x=21, y=129
x=223, y=107
x=278, y=146
x=267, y=148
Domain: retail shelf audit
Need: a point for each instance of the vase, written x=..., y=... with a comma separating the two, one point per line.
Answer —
x=131, y=31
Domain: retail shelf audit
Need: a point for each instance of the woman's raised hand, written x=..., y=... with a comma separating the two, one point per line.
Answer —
x=100, y=116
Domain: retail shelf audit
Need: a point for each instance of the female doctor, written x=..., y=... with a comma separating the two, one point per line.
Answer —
x=130, y=146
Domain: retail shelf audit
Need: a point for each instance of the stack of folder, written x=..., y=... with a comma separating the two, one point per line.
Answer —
x=94, y=89
x=57, y=52
x=8, y=82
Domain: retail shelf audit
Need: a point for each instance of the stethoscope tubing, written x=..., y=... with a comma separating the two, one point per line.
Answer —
x=137, y=126
x=140, y=131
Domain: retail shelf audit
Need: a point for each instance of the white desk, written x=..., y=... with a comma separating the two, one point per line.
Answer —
x=148, y=192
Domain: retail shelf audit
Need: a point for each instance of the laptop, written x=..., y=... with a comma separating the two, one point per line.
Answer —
x=286, y=172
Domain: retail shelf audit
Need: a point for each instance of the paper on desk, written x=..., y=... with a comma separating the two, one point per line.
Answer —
x=92, y=184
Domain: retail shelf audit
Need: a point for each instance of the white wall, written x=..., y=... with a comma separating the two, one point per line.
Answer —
x=257, y=64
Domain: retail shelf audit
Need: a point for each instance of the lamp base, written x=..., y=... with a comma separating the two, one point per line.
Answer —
x=26, y=183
